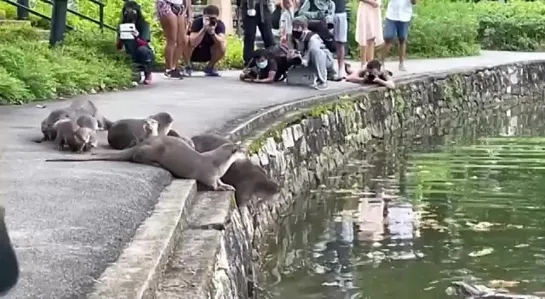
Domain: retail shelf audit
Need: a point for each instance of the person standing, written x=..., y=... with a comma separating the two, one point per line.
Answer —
x=286, y=22
x=340, y=33
x=174, y=16
x=255, y=14
x=398, y=18
x=368, y=29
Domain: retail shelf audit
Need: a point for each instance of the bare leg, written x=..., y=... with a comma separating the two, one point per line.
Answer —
x=340, y=58
x=370, y=53
x=181, y=41
x=218, y=52
x=362, y=56
x=385, y=50
x=170, y=30
x=401, y=53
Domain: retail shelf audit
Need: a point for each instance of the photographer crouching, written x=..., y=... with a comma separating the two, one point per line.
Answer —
x=207, y=41
x=135, y=37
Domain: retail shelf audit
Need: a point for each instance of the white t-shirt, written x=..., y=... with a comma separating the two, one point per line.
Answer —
x=399, y=10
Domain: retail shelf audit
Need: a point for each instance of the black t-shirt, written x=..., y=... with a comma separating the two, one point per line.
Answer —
x=272, y=66
x=340, y=6
x=207, y=40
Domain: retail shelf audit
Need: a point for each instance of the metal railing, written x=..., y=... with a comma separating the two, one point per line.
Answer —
x=58, y=16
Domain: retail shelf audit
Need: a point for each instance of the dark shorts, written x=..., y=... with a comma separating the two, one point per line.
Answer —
x=202, y=53
x=393, y=29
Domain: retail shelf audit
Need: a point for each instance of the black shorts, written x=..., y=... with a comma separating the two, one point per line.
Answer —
x=201, y=54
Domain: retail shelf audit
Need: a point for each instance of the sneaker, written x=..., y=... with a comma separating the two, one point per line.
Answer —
x=402, y=67
x=186, y=71
x=173, y=73
x=211, y=72
x=320, y=85
x=147, y=80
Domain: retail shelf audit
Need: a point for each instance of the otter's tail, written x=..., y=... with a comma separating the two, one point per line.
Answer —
x=125, y=155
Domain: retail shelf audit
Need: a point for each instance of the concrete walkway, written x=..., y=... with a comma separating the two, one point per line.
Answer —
x=69, y=223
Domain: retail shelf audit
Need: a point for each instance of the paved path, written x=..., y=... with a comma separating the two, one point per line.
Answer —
x=68, y=223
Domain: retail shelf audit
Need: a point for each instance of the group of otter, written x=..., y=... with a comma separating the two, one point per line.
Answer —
x=213, y=161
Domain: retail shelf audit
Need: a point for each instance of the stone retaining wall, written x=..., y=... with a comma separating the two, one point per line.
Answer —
x=300, y=148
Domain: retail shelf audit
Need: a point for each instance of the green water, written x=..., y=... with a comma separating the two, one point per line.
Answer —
x=468, y=205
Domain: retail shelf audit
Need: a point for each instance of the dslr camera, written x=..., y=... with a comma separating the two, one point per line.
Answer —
x=212, y=21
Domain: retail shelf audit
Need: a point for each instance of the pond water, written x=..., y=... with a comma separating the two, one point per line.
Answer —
x=411, y=214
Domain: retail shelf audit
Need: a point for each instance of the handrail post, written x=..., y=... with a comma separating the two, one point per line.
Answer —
x=58, y=21
x=22, y=13
x=101, y=17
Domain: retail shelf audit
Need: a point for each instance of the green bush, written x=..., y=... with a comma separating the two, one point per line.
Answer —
x=31, y=70
x=515, y=26
x=112, y=16
x=444, y=28
x=438, y=29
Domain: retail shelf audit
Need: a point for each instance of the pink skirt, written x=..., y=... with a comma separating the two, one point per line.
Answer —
x=369, y=24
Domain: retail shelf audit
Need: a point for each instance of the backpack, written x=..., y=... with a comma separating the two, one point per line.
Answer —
x=277, y=50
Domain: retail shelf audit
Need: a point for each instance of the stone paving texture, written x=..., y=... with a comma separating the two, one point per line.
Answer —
x=68, y=221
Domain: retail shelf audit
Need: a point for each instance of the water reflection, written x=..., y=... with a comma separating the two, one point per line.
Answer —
x=407, y=216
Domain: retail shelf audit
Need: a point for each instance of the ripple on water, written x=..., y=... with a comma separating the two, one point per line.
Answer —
x=406, y=221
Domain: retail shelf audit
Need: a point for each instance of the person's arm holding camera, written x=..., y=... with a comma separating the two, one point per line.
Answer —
x=198, y=30
x=355, y=77
x=218, y=32
x=385, y=81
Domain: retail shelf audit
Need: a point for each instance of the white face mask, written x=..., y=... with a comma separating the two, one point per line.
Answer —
x=262, y=64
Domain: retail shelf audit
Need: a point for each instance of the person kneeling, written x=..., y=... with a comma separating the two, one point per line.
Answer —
x=137, y=40
x=371, y=74
x=207, y=41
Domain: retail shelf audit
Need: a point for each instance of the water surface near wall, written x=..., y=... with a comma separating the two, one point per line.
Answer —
x=411, y=213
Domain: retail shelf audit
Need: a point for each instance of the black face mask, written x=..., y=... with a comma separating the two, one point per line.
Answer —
x=130, y=15
x=296, y=34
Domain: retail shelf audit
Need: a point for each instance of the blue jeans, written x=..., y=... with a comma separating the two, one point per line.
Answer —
x=396, y=28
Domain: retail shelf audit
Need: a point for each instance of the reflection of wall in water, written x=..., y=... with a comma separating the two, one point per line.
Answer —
x=334, y=255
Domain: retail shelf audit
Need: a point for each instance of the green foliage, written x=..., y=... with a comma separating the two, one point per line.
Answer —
x=515, y=26
x=438, y=29
x=31, y=70
x=444, y=28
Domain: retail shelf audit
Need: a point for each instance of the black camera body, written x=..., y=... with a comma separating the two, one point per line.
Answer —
x=212, y=21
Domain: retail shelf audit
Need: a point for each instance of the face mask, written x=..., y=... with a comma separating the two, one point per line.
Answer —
x=262, y=64
x=296, y=34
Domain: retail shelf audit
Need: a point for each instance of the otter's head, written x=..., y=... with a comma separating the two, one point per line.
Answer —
x=48, y=129
x=151, y=127
x=9, y=271
x=165, y=121
x=234, y=151
x=83, y=135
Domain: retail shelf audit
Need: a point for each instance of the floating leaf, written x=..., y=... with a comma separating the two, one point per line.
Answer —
x=483, y=252
x=481, y=226
x=503, y=283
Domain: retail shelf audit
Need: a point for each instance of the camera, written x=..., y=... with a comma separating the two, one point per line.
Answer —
x=212, y=21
